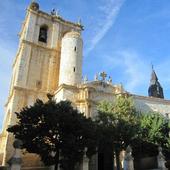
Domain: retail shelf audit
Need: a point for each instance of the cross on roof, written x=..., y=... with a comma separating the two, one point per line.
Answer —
x=103, y=75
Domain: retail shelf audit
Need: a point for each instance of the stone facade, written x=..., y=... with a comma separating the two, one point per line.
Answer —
x=54, y=66
x=35, y=70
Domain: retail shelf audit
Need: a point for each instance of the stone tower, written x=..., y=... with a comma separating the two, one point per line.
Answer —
x=155, y=89
x=37, y=64
x=71, y=59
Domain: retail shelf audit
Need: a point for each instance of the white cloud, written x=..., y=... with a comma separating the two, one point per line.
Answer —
x=110, y=12
x=138, y=71
x=134, y=70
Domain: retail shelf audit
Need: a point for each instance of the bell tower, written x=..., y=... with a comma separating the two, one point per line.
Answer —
x=36, y=66
x=155, y=89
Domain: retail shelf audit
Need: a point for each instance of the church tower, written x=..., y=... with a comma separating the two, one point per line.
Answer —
x=71, y=59
x=36, y=67
x=155, y=89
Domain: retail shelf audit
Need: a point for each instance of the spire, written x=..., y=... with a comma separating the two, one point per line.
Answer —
x=154, y=77
x=155, y=89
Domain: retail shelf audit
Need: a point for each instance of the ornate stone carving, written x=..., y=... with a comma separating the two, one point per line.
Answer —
x=53, y=12
x=103, y=75
x=85, y=80
x=128, y=160
x=110, y=80
x=161, y=159
x=96, y=77
x=34, y=5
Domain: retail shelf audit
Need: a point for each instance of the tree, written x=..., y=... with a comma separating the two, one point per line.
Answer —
x=155, y=128
x=51, y=127
x=154, y=132
x=119, y=124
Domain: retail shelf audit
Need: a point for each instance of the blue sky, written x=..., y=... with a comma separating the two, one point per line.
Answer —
x=121, y=37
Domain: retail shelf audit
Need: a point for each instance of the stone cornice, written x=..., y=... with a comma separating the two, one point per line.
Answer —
x=30, y=90
x=152, y=99
x=25, y=90
x=65, y=86
x=58, y=19
x=40, y=46
x=86, y=101
x=94, y=84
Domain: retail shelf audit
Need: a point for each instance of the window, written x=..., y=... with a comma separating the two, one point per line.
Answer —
x=43, y=34
x=75, y=48
x=74, y=69
x=38, y=84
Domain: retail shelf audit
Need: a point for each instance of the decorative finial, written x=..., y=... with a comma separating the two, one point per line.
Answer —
x=103, y=75
x=128, y=149
x=152, y=66
x=79, y=21
x=110, y=80
x=96, y=78
x=161, y=159
x=57, y=13
x=85, y=79
x=53, y=12
x=34, y=5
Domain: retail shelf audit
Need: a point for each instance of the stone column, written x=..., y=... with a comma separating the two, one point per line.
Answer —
x=122, y=157
x=85, y=164
x=15, y=161
x=128, y=160
x=161, y=159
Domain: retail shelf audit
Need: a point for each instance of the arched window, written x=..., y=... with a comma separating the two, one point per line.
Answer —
x=43, y=34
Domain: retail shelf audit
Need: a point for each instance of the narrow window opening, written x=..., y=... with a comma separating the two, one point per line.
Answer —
x=38, y=84
x=74, y=69
x=75, y=49
x=43, y=34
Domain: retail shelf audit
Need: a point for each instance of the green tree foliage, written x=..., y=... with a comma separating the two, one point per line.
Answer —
x=155, y=129
x=153, y=132
x=121, y=124
x=118, y=124
x=51, y=127
x=119, y=119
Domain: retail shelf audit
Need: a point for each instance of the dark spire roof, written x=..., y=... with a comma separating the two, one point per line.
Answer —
x=154, y=77
x=155, y=89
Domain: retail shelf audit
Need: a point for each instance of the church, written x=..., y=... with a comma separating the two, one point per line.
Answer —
x=49, y=60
